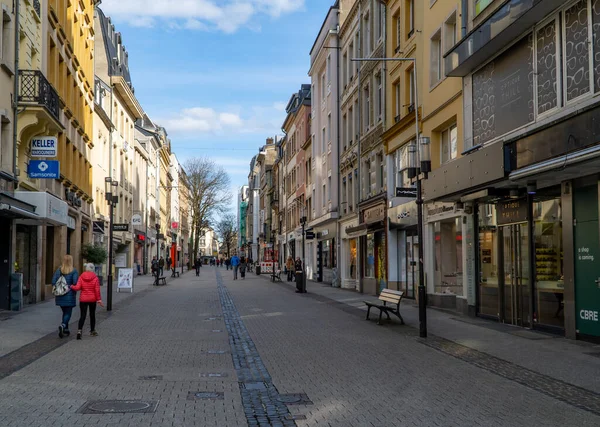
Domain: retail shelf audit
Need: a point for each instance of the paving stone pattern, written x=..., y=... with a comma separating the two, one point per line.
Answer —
x=260, y=398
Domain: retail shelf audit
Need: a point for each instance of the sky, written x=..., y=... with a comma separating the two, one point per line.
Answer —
x=218, y=74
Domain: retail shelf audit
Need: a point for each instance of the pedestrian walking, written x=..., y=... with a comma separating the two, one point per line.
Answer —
x=161, y=266
x=197, y=265
x=89, y=285
x=299, y=276
x=65, y=276
x=169, y=262
x=289, y=268
x=243, y=266
x=235, y=264
x=227, y=263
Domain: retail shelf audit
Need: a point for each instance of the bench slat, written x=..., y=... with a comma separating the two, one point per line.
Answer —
x=393, y=300
x=392, y=292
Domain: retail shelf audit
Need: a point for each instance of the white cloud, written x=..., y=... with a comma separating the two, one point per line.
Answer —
x=197, y=121
x=224, y=15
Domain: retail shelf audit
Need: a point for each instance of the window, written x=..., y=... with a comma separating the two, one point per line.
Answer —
x=356, y=190
x=398, y=31
x=480, y=5
x=411, y=87
x=349, y=135
x=381, y=172
x=380, y=20
x=350, y=195
x=367, y=112
x=367, y=36
x=329, y=188
x=329, y=127
x=345, y=70
x=397, y=101
x=323, y=194
x=450, y=32
x=356, y=120
x=410, y=17
x=323, y=87
x=435, y=71
x=352, y=55
x=449, y=144
x=401, y=167
x=328, y=69
x=322, y=140
x=576, y=48
x=357, y=52
x=379, y=97
x=344, y=192
x=344, y=131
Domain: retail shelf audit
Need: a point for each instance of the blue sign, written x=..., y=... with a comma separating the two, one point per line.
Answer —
x=44, y=169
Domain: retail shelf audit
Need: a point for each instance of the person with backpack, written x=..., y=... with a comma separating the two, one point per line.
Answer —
x=89, y=285
x=65, y=276
x=243, y=267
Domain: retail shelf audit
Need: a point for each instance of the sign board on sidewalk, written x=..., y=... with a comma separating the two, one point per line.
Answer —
x=125, y=280
x=43, y=169
x=44, y=146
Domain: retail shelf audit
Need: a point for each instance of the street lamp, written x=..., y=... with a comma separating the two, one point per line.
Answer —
x=112, y=198
x=421, y=149
x=303, y=222
x=157, y=226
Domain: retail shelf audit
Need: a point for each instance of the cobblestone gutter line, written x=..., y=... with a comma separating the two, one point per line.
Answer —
x=18, y=359
x=260, y=398
x=568, y=393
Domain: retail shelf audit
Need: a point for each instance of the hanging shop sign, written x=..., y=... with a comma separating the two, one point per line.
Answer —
x=98, y=227
x=136, y=219
x=43, y=169
x=512, y=211
x=44, y=146
x=406, y=192
x=120, y=227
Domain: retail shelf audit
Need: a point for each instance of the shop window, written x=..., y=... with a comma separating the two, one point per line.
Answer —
x=352, y=258
x=448, y=256
x=327, y=254
x=489, y=279
x=549, y=274
x=369, y=272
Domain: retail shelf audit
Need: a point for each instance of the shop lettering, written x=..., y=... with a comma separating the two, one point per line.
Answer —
x=440, y=210
x=584, y=254
x=589, y=315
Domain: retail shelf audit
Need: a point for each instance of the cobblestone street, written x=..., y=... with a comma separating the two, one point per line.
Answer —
x=211, y=351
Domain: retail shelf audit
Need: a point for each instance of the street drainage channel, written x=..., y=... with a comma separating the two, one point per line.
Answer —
x=263, y=404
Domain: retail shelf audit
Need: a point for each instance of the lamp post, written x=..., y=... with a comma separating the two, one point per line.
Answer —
x=273, y=256
x=112, y=198
x=157, y=226
x=416, y=173
x=303, y=222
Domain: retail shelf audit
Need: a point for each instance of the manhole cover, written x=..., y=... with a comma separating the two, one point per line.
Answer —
x=151, y=378
x=202, y=395
x=258, y=385
x=119, y=407
x=214, y=375
x=216, y=352
x=294, y=399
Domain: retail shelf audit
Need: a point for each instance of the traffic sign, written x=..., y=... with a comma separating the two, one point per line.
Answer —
x=44, y=169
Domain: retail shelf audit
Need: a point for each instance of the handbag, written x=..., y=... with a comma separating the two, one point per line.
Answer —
x=60, y=288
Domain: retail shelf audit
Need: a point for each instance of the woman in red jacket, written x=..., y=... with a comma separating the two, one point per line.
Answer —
x=89, y=285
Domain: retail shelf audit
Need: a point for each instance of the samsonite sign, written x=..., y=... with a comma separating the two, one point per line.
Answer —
x=44, y=146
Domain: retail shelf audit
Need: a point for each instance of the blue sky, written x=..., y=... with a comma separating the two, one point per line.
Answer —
x=218, y=73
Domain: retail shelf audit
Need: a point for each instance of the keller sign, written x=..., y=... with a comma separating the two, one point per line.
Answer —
x=44, y=146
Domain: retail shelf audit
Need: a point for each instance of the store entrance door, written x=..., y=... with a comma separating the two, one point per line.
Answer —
x=516, y=288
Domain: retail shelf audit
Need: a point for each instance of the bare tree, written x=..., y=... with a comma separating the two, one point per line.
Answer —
x=227, y=230
x=209, y=194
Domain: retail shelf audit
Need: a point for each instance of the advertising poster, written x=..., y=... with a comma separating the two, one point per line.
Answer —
x=125, y=279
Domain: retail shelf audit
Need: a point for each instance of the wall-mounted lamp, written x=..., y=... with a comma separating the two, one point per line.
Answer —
x=514, y=193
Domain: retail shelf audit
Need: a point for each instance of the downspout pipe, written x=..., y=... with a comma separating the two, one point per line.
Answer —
x=16, y=9
x=339, y=175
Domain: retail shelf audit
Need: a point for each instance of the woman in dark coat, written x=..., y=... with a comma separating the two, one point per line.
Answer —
x=69, y=300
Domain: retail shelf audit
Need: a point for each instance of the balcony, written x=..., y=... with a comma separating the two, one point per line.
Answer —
x=35, y=90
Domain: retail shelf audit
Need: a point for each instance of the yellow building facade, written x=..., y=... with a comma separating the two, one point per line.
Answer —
x=56, y=69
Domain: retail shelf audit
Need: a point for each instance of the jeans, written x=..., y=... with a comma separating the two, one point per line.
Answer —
x=235, y=271
x=197, y=271
x=83, y=307
x=66, y=317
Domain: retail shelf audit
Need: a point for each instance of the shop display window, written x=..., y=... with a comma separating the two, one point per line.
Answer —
x=352, y=258
x=448, y=256
x=370, y=256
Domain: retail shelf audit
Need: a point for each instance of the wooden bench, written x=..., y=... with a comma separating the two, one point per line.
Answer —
x=174, y=273
x=162, y=281
x=387, y=296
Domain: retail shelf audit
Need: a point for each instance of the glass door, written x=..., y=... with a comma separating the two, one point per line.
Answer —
x=516, y=290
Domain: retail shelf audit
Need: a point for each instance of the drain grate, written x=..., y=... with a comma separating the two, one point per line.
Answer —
x=214, y=375
x=151, y=378
x=254, y=385
x=206, y=395
x=119, y=407
x=294, y=399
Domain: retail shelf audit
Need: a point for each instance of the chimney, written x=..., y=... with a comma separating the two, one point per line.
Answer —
x=269, y=141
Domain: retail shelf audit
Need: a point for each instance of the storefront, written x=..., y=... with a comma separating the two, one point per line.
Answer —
x=374, y=249
x=349, y=254
x=326, y=267
x=139, y=255
x=404, y=249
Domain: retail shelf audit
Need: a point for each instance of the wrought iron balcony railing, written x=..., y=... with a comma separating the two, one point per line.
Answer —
x=35, y=89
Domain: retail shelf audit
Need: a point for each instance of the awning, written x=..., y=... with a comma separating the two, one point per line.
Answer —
x=359, y=230
x=16, y=209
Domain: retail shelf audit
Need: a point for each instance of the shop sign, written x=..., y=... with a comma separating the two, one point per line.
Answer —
x=512, y=211
x=120, y=227
x=47, y=206
x=375, y=214
x=404, y=215
x=174, y=225
x=71, y=222
x=406, y=192
x=439, y=209
x=43, y=169
x=44, y=146
x=136, y=219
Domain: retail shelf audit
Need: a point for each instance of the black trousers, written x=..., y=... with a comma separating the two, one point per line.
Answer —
x=83, y=308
